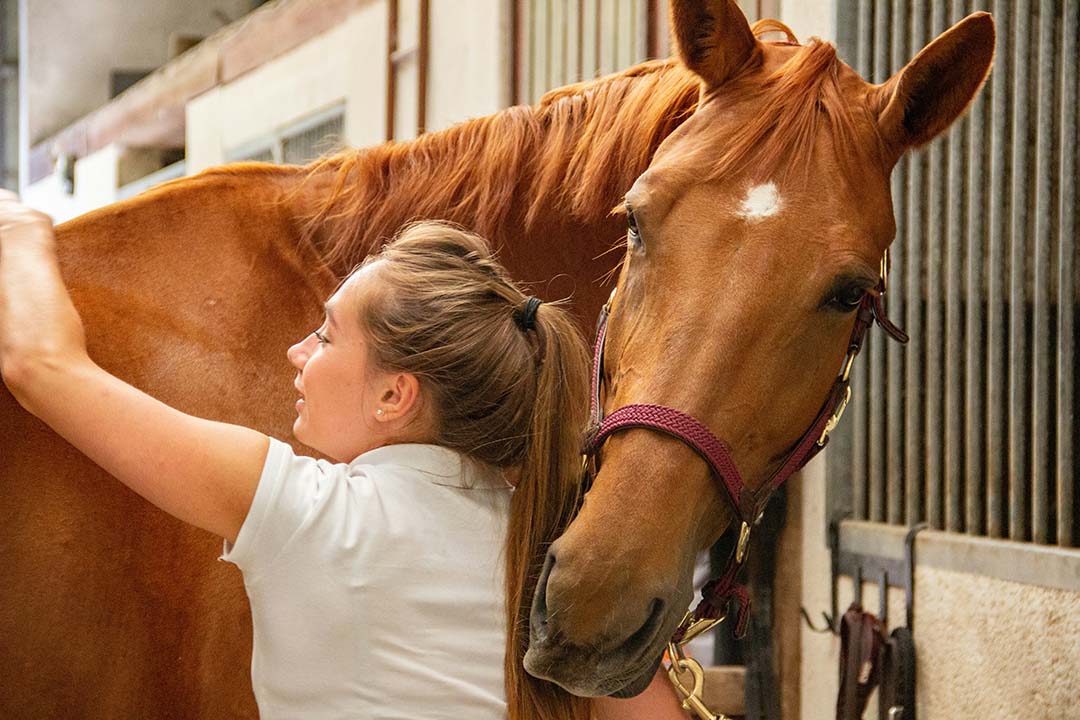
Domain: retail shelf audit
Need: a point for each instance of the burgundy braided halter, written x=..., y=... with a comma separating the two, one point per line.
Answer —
x=748, y=504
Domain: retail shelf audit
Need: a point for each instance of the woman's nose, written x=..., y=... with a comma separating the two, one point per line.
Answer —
x=298, y=353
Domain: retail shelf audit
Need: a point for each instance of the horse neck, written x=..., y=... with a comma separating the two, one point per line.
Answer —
x=527, y=177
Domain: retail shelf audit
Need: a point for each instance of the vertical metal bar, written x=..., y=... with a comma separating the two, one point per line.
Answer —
x=652, y=31
x=974, y=383
x=549, y=46
x=1065, y=471
x=876, y=350
x=860, y=477
x=1018, y=322
x=581, y=41
x=913, y=373
x=934, y=383
x=953, y=368
x=1000, y=139
x=598, y=35
x=1044, y=223
x=515, y=52
x=894, y=444
x=866, y=23
x=558, y=43
x=424, y=32
x=391, y=66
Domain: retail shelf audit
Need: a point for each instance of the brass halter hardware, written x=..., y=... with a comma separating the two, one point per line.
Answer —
x=691, y=697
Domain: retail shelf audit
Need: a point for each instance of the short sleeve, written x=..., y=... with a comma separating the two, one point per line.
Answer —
x=288, y=491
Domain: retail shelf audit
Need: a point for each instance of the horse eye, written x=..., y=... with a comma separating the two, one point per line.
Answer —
x=849, y=298
x=633, y=235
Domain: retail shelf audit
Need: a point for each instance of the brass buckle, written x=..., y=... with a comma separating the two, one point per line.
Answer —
x=834, y=419
x=885, y=271
x=744, y=540
x=689, y=697
x=697, y=627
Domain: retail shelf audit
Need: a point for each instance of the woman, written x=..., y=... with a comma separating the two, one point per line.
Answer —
x=380, y=583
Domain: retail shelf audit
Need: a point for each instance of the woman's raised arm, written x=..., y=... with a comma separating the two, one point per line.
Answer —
x=202, y=472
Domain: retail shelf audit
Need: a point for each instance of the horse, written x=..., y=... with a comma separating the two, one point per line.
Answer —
x=753, y=265
x=193, y=290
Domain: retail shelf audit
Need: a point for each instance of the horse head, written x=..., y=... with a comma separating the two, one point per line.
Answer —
x=754, y=237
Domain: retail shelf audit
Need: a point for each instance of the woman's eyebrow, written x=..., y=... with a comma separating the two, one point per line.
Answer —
x=330, y=314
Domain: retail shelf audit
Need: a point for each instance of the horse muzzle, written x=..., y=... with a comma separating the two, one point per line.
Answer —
x=594, y=638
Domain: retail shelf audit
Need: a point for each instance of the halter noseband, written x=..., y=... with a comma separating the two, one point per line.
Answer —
x=748, y=504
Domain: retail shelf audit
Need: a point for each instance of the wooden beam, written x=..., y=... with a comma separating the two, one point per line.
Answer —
x=151, y=113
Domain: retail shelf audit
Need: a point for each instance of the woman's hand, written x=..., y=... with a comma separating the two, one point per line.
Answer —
x=200, y=471
x=38, y=322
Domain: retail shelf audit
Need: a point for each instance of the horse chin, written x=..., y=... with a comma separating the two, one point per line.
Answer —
x=588, y=684
x=637, y=686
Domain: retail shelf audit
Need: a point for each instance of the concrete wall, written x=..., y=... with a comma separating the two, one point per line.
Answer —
x=72, y=46
x=469, y=50
x=468, y=77
x=346, y=65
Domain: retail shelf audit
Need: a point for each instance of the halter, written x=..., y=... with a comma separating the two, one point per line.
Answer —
x=748, y=504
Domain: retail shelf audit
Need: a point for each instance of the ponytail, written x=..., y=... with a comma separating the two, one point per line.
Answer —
x=543, y=504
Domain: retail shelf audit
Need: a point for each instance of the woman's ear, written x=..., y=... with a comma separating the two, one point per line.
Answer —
x=399, y=397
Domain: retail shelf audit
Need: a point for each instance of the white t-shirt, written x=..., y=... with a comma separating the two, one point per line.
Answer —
x=376, y=587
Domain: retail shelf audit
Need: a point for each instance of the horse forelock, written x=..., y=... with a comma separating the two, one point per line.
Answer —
x=575, y=152
x=792, y=107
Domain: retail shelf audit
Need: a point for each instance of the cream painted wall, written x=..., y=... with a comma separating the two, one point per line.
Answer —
x=344, y=65
x=72, y=46
x=809, y=18
x=468, y=63
x=469, y=60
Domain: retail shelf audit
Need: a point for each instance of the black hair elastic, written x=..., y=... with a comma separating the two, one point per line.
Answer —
x=526, y=316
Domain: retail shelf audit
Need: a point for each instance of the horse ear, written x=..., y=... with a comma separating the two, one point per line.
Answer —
x=712, y=38
x=935, y=88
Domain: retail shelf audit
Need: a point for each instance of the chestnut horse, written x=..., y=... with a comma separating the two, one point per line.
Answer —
x=192, y=291
x=755, y=234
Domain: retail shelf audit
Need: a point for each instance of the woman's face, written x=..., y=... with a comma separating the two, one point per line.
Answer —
x=339, y=412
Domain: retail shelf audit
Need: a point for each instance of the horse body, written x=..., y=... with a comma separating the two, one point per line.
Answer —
x=192, y=292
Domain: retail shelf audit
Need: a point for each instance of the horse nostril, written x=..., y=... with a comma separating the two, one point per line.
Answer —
x=538, y=616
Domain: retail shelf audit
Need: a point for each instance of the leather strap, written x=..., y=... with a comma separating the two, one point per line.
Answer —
x=746, y=503
x=861, y=641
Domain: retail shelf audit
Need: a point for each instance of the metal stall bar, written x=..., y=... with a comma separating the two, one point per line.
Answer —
x=1041, y=398
x=894, y=358
x=860, y=391
x=1018, y=361
x=974, y=380
x=876, y=350
x=422, y=60
x=953, y=467
x=934, y=382
x=1001, y=84
x=914, y=469
x=1065, y=471
x=556, y=42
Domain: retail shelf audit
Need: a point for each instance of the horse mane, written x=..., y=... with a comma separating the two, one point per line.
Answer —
x=574, y=150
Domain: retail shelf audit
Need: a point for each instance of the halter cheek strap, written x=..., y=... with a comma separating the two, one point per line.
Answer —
x=719, y=594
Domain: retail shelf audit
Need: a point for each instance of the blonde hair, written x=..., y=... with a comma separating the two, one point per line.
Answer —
x=504, y=391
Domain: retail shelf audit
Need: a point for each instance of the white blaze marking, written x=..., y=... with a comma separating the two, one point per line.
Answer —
x=761, y=202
